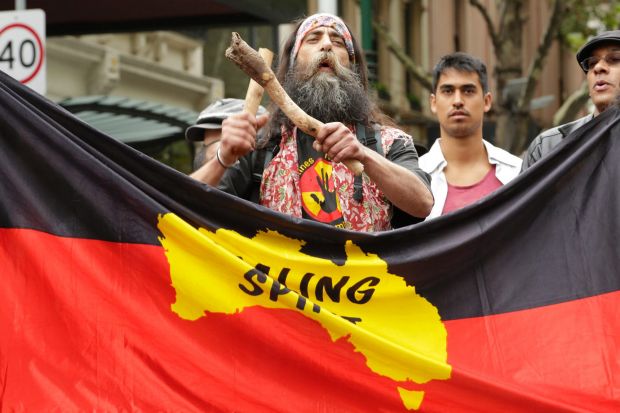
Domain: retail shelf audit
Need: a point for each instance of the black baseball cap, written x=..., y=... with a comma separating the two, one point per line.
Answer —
x=213, y=116
x=612, y=36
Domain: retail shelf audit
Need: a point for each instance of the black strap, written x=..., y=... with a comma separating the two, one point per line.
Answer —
x=358, y=184
x=369, y=138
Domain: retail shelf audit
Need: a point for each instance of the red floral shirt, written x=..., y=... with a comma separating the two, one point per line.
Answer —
x=280, y=188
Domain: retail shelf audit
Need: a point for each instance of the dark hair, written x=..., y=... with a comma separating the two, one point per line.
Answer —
x=284, y=64
x=200, y=157
x=461, y=62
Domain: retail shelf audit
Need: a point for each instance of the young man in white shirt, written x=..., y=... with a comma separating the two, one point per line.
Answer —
x=464, y=167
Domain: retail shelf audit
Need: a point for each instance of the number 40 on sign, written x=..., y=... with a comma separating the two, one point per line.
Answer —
x=22, y=47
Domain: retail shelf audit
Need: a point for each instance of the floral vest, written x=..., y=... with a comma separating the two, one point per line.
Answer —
x=280, y=187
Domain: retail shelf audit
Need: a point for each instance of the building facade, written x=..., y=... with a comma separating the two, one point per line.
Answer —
x=429, y=29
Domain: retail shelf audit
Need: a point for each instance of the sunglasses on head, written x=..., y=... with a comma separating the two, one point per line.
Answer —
x=612, y=58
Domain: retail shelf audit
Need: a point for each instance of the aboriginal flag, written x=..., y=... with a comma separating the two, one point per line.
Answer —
x=127, y=286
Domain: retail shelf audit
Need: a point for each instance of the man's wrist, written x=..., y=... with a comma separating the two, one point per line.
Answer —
x=221, y=162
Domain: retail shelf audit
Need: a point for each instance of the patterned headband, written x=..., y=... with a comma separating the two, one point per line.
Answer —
x=323, y=20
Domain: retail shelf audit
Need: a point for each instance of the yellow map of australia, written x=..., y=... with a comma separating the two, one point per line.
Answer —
x=399, y=333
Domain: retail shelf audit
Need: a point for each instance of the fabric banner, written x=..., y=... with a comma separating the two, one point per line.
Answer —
x=127, y=286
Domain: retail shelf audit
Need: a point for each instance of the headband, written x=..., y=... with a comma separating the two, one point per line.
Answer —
x=323, y=20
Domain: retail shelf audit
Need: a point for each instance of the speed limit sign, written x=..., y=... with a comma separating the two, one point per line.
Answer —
x=22, y=47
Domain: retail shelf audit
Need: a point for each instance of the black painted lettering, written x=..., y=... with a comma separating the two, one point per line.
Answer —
x=333, y=291
x=279, y=287
x=283, y=274
x=301, y=302
x=353, y=320
x=366, y=294
x=303, y=286
x=263, y=268
x=249, y=277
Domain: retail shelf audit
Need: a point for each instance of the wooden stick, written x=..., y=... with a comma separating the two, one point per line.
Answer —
x=254, y=66
x=255, y=91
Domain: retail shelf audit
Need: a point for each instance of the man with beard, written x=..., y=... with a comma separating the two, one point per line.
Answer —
x=599, y=58
x=323, y=70
x=464, y=167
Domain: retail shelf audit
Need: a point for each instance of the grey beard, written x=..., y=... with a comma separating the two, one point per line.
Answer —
x=329, y=98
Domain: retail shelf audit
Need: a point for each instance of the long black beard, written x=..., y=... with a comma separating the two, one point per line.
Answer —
x=326, y=96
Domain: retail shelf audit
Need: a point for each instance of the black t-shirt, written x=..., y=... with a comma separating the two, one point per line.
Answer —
x=243, y=179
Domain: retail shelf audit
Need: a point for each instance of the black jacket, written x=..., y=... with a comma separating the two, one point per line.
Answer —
x=549, y=139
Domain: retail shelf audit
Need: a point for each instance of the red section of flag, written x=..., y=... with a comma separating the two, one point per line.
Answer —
x=559, y=357
x=86, y=325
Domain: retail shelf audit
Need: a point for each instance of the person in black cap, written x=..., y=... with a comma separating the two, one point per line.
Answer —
x=208, y=127
x=599, y=58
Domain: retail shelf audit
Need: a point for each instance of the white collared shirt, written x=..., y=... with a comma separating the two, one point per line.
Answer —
x=507, y=167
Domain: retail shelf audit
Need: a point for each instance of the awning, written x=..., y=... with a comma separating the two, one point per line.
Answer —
x=82, y=17
x=131, y=121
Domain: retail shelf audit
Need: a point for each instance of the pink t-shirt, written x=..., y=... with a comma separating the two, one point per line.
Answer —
x=460, y=196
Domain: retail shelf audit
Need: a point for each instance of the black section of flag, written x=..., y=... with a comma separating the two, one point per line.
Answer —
x=547, y=237
x=59, y=176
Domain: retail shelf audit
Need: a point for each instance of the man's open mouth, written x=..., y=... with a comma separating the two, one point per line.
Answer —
x=325, y=64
